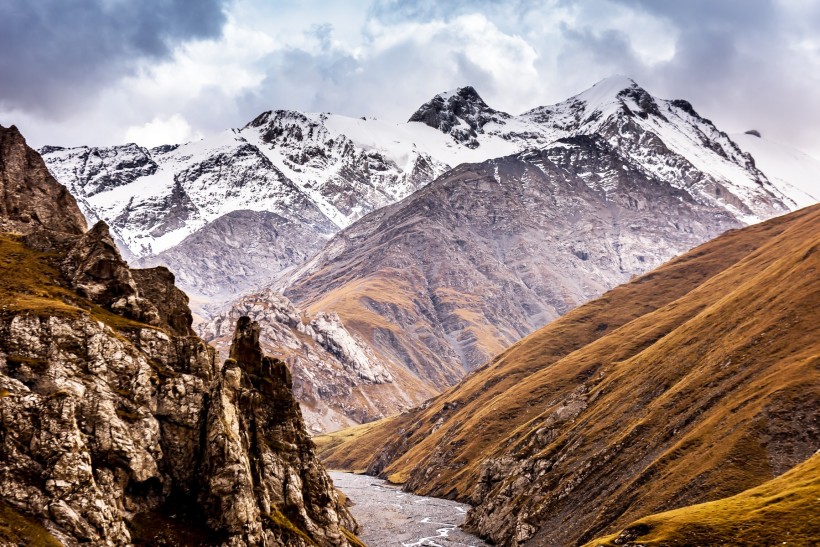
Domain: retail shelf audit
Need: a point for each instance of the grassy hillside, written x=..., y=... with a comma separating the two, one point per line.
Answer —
x=29, y=283
x=16, y=529
x=782, y=511
x=690, y=383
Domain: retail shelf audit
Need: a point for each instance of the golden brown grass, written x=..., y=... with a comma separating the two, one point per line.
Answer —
x=286, y=526
x=28, y=283
x=16, y=529
x=782, y=511
x=352, y=539
x=684, y=372
x=349, y=437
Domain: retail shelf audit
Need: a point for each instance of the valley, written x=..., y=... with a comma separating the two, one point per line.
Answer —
x=399, y=519
x=321, y=215
x=593, y=323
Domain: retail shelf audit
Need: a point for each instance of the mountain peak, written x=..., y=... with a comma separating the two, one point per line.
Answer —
x=30, y=197
x=609, y=91
x=461, y=112
x=467, y=93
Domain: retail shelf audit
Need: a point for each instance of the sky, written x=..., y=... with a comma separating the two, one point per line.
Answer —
x=105, y=72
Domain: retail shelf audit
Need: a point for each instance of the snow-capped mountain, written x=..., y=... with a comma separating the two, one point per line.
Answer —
x=456, y=273
x=320, y=172
x=666, y=138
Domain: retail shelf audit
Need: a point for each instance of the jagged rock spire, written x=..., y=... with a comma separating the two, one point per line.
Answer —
x=262, y=481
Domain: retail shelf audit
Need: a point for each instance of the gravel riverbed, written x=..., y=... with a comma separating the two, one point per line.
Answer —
x=388, y=517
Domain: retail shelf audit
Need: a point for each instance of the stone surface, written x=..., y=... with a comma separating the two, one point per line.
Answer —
x=117, y=424
x=337, y=378
x=30, y=198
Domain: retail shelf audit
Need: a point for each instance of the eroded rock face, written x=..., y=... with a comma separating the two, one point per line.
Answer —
x=96, y=425
x=124, y=429
x=30, y=198
x=337, y=377
x=461, y=113
x=258, y=459
x=99, y=427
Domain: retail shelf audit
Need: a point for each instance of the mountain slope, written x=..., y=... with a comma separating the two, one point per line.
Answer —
x=321, y=172
x=249, y=246
x=489, y=252
x=693, y=382
x=780, y=511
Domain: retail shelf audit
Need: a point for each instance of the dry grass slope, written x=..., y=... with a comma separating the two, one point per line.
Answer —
x=28, y=283
x=782, y=511
x=691, y=383
x=15, y=529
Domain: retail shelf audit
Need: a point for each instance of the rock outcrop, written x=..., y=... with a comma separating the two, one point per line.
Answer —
x=263, y=482
x=30, y=198
x=117, y=424
x=460, y=113
x=337, y=378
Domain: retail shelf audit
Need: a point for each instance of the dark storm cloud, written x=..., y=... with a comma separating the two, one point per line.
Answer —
x=56, y=53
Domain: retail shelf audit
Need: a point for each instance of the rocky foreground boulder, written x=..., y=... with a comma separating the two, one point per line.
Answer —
x=117, y=424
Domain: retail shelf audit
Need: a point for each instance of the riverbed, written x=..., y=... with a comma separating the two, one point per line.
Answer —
x=388, y=517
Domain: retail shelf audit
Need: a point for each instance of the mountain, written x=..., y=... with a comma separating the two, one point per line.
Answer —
x=462, y=269
x=666, y=138
x=338, y=379
x=230, y=213
x=693, y=382
x=318, y=173
x=117, y=424
x=154, y=199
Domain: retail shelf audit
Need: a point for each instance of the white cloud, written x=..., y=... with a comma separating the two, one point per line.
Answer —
x=172, y=130
x=385, y=59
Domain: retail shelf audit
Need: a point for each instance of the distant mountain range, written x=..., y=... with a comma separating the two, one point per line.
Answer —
x=436, y=243
x=314, y=174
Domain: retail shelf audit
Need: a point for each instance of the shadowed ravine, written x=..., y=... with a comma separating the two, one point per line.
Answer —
x=389, y=517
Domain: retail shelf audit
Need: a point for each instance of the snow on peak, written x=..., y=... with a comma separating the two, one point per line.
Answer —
x=609, y=87
x=465, y=92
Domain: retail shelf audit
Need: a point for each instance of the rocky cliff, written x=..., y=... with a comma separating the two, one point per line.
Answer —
x=337, y=378
x=117, y=423
x=30, y=198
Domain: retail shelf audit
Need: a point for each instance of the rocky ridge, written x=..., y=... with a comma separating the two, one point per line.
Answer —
x=118, y=425
x=320, y=172
x=337, y=378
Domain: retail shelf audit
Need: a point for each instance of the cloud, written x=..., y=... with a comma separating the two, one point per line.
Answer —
x=743, y=63
x=56, y=55
x=172, y=130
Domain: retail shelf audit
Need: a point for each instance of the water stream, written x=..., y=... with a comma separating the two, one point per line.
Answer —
x=388, y=517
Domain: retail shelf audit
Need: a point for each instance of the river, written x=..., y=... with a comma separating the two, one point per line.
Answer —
x=388, y=517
